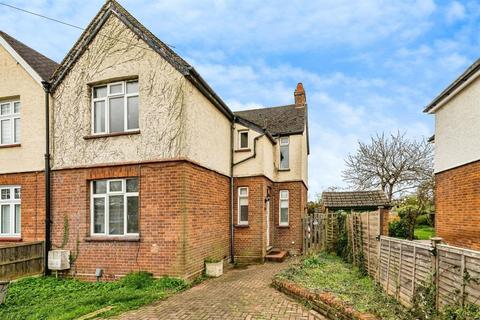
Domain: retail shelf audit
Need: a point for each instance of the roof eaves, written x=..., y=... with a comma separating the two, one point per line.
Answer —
x=463, y=78
x=255, y=127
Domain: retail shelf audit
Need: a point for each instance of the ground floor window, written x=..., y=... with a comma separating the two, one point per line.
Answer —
x=284, y=208
x=10, y=211
x=114, y=207
x=243, y=206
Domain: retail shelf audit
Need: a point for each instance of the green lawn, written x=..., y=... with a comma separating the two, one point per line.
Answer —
x=424, y=232
x=51, y=298
x=328, y=273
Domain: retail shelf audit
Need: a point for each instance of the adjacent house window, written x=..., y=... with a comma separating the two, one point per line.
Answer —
x=10, y=215
x=243, y=139
x=284, y=153
x=114, y=207
x=243, y=206
x=115, y=107
x=9, y=122
x=283, y=221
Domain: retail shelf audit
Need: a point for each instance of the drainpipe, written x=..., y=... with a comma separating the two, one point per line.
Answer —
x=46, y=88
x=232, y=221
x=254, y=155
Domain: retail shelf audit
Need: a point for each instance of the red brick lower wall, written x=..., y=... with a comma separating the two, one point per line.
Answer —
x=251, y=241
x=32, y=203
x=290, y=238
x=174, y=219
x=457, y=205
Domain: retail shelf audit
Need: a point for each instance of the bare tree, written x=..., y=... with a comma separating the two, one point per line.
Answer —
x=393, y=163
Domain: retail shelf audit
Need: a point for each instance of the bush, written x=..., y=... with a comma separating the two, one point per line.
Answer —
x=424, y=220
x=138, y=280
x=398, y=229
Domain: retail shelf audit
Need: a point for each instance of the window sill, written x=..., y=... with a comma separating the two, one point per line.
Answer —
x=243, y=150
x=113, y=239
x=242, y=226
x=108, y=135
x=283, y=169
x=10, y=239
x=285, y=226
x=15, y=145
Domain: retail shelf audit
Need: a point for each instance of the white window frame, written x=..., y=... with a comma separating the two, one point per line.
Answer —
x=240, y=132
x=11, y=116
x=287, y=198
x=106, y=196
x=239, y=196
x=106, y=100
x=12, y=202
x=285, y=142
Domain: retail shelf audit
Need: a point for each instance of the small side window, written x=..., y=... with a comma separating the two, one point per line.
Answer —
x=243, y=139
x=284, y=153
x=243, y=206
x=284, y=205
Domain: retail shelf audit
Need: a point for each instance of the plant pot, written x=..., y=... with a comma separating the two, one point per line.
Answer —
x=214, y=269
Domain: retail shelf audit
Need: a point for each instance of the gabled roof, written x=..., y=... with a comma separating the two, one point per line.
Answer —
x=283, y=120
x=112, y=7
x=40, y=67
x=447, y=93
x=355, y=199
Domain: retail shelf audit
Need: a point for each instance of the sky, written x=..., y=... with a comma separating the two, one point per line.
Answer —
x=367, y=66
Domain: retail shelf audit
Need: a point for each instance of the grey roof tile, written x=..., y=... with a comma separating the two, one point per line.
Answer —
x=355, y=199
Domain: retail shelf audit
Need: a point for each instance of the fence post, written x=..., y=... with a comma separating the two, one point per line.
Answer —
x=435, y=267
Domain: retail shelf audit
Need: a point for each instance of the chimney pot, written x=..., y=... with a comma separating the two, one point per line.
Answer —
x=300, y=97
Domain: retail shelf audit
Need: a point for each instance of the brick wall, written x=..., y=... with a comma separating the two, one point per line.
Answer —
x=170, y=227
x=290, y=238
x=32, y=203
x=457, y=204
x=250, y=241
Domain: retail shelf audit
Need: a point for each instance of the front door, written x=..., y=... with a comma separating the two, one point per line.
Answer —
x=267, y=212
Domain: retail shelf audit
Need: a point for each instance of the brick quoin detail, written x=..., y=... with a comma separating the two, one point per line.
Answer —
x=32, y=203
x=184, y=217
x=457, y=204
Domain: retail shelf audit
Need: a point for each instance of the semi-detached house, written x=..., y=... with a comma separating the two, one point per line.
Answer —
x=152, y=171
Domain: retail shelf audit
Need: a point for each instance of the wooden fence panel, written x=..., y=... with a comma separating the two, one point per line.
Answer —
x=314, y=233
x=20, y=260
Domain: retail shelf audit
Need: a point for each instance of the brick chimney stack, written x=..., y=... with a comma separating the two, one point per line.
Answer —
x=300, y=97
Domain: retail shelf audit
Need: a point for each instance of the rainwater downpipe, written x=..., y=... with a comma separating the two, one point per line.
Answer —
x=46, y=88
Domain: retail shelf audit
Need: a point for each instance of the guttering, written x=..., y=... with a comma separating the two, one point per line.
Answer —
x=254, y=150
x=48, y=244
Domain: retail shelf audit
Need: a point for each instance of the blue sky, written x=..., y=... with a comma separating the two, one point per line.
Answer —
x=367, y=66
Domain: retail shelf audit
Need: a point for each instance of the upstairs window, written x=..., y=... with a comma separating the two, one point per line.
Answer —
x=284, y=204
x=114, y=207
x=9, y=122
x=284, y=153
x=115, y=107
x=243, y=206
x=243, y=140
x=10, y=200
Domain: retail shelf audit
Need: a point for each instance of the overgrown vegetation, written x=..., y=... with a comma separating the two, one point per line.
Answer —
x=328, y=273
x=51, y=298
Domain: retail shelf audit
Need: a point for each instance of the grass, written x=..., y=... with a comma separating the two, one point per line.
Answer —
x=51, y=298
x=423, y=232
x=328, y=273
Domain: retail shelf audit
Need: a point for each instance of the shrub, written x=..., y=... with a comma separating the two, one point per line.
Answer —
x=424, y=220
x=398, y=229
x=312, y=261
x=138, y=280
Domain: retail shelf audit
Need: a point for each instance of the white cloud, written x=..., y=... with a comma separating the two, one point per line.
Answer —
x=455, y=12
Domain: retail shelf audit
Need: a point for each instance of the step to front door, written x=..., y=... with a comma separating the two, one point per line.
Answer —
x=276, y=256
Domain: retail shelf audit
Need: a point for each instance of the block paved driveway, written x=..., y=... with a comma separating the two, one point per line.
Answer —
x=238, y=294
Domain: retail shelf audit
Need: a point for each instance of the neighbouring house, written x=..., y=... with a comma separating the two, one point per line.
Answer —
x=22, y=140
x=457, y=160
x=358, y=201
x=152, y=171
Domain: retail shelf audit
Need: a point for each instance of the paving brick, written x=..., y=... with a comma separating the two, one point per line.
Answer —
x=239, y=294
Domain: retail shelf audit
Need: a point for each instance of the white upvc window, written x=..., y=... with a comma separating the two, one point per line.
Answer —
x=115, y=107
x=284, y=199
x=243, y=139
x=284, y=153
x=10, y=122
x=243, y=206
x=114, y=207
x=10, y=211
